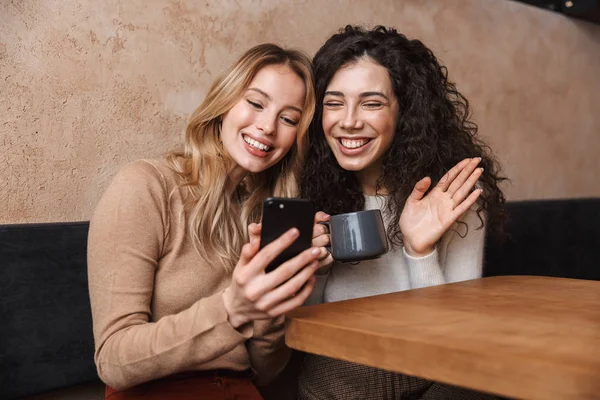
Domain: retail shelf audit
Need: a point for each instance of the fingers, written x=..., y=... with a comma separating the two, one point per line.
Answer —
x=447, y=179
x=465, y=205
x=467, y=186
x=269, y=252
x=325, y=262
x=321, y=217
x=294, y=302
x=289, y=268
x=319, y=229
x=253, y=278
x=321, y=241
x=463, y=176
x=420, y=189
x=287, y=290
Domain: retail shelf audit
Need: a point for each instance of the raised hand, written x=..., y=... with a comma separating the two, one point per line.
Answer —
x=426, y=218
x=254, y=294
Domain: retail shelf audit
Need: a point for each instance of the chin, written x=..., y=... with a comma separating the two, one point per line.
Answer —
x=256, y=168
x=352, y=168
x=350, y=165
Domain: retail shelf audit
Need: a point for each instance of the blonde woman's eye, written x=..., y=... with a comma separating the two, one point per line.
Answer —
x=289, y=121
x=255, y=105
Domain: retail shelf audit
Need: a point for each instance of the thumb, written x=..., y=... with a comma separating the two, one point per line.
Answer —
x=254, y=230
x=420, y=189
x=249, y=250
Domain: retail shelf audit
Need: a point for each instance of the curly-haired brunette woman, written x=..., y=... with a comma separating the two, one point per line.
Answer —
x=391, y=132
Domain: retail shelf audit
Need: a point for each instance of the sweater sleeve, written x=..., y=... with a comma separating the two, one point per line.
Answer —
x=317, y=296
x=126, y=236
x=267, y=349
x=268, y=352
x=454, y=259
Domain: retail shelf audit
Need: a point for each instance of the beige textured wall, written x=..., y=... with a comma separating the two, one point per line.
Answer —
x=86, y=86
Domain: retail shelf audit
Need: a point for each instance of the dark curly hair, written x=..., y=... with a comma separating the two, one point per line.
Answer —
x=433, y=132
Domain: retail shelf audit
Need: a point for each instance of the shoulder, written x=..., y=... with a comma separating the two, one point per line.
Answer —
x=139, y=188
x=141, y=181
x=148, y=173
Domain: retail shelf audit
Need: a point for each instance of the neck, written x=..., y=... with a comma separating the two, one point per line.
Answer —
x=236, y=175
x=367, y=179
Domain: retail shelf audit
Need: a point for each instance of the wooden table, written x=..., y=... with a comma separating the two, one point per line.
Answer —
x=516, y=336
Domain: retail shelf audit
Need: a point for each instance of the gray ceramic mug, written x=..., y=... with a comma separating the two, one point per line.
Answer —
x=357, y=236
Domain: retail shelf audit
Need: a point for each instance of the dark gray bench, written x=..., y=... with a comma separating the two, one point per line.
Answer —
x=550, y=238
x=46, y=341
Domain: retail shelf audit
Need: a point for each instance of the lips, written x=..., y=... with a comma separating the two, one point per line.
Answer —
x=354, y=146
x=354, y=143
x=256, y=144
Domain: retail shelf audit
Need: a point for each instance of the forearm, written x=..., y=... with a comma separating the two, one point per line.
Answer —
x=267, y=350
x=131, y=351
x=424, y=271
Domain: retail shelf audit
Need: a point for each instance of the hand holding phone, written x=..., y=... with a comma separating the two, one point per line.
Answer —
x=254, y=295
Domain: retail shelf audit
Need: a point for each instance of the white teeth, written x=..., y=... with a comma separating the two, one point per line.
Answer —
x=353, y=143
x=255, y=144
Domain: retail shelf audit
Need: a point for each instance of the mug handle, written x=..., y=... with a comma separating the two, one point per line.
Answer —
x=328, y=247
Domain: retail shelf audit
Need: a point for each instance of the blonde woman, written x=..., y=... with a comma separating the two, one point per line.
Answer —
x=181, y=306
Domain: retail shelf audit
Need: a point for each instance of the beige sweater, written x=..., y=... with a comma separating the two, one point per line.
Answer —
x=157, y=309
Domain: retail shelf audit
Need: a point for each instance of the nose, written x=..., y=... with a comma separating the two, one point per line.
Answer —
x=266, y=123
x=351, y=120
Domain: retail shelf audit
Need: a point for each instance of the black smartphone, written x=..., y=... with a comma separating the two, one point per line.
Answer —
x=279, y=216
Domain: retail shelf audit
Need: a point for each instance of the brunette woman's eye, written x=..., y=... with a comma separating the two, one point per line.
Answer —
x=332, y=104
x=373, y=105
x=255, y=105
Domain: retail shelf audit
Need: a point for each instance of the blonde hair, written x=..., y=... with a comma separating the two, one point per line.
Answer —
x=217, y=234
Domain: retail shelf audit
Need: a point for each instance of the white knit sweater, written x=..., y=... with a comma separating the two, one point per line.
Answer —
x=454, y=259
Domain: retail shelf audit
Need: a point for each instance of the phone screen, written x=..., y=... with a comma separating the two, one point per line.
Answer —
x=281, y=215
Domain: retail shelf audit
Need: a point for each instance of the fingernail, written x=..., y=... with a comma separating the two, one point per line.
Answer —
x=482, y=170
x=294, y=232
x=316, y=251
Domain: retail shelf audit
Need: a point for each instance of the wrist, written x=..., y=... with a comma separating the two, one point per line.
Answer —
x=235, y=319
x=420, y=251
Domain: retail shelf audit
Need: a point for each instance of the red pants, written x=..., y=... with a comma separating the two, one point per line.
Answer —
x=212, y=385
